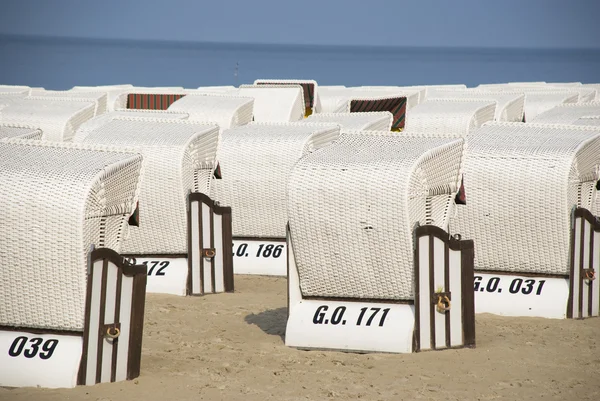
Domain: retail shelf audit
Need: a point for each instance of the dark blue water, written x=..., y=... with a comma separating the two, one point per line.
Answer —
x=63, y=63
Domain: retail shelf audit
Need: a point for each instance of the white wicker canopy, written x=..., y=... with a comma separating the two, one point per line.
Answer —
x=584, y=94
x=509, y=106
x=255, y=161
x=60, y=199
x=100, y=98
x=19, y=131
x=310, y=89
x=413, y=96
x=275, y=103
x=179, y=158
x=568, y=113
x=226, y=111
x=450, y=117
x=596, y=87
x=58, y=118
x=593, y=121
x=353, y=207
x=14, y=90
x=523, y=181
x=370, y=121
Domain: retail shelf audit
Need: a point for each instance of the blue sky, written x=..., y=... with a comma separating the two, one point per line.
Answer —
x=472, y=23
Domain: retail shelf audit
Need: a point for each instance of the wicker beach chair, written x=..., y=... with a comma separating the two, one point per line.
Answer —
x=524, y=182
x=19, y=131
x=99, y=97
x=256, y=160
x=65, y=200
x=370, y=121
x=58, y=118
x=226, y=111
x=356, y=210
x=413, y=96
x=509, y=107
x=148, y=98
x=590, y=120
x=310, y=88
x=275, y=103
x=584, y=94
x=353, y=100
x=596, y=87
x=568, y=113
x=450, y=116
x=179, y=159
x=14, y=90
x=112, y=92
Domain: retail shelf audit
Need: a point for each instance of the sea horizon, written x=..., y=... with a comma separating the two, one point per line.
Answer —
x=64, y=62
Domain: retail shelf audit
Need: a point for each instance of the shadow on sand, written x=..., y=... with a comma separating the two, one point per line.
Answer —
x=271, y=321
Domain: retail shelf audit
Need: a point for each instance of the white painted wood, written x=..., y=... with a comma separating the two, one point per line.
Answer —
x=58, y=370
x=219, y=257
x=248, y=260
x=438, y=283
x=456, y=326
x=194, y=252
x=94, y=322
x=206, y=213
x=425, y=294
x=125, y=319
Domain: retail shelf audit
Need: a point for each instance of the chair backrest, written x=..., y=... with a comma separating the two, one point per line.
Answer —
x=100, y=98
x=275, y=103
x=179, y=158
x=312, y=102
x=353, y=207
x=509, y=106
x=450, y=117
x=568, y=113
x=413, y=96
x=58, y=118
x=369, y=121
x=525, y=180
x=19, y=131
x=255, y=161
x=356, y=100
x=59, y=199
x=224, y=110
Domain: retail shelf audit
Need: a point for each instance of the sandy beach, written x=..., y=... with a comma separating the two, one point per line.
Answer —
x=230, y=347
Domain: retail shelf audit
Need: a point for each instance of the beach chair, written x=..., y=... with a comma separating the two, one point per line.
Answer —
x=370, y=121
x=99, y=97
x=531, y=210
x=509, y=106
x=112, y=92
x=14, y=90
x=450, y=116
x=372, y=267
x=58, y=118
x=312, y=101
x=275, y=103
x=255, y=161
x=183, y=236
x=413, y=96
x=593, y=121
x=596, y=87
x=351, y=100
x=145, y=98
x=19, y=131
x=568, y=113
x=71, y=308
x=584, y=95
x=226, y=111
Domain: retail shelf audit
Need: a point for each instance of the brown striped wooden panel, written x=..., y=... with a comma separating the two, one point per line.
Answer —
x=114, y=319
x=444, y=297
x=210, y=246
x=395, y=105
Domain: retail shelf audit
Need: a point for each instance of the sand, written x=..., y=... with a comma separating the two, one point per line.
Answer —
x=230, y=347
